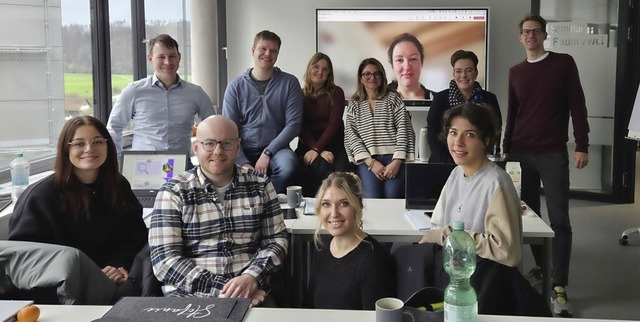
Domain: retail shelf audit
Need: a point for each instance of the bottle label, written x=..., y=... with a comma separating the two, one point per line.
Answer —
x=456, y=313
x=20, y=180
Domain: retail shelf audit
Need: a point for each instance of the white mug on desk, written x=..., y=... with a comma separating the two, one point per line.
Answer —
x=294, y=196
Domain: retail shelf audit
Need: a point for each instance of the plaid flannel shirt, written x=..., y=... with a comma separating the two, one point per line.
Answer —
x=197, y=244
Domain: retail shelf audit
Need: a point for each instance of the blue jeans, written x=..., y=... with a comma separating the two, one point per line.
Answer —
x=374, y=188
x=553, y=170
x=282, y=166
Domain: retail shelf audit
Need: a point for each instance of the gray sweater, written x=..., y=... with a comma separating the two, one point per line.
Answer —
x=488, y=204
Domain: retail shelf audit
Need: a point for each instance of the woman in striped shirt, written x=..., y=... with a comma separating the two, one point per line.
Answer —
x=379, y=137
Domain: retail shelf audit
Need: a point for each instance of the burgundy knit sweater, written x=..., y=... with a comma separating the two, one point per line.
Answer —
x=542, y=96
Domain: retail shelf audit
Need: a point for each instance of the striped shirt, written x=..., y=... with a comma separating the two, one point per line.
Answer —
x=387, y=131
x=198, y=243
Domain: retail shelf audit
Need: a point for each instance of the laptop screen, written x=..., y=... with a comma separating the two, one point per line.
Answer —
x=424, y=183
x=149, y=170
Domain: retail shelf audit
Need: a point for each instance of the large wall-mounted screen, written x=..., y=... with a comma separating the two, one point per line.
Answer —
x=350, y=35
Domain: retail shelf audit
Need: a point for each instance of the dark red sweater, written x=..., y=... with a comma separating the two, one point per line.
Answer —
x=321, y=121
x=542, y=95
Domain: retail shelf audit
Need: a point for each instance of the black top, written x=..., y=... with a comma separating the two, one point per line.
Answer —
x=355, y=281
x=439, y=150
x=428, y=94
x=110, y=237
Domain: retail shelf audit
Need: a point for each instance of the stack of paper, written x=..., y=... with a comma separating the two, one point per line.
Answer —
x=310, y=206
x=419, y=219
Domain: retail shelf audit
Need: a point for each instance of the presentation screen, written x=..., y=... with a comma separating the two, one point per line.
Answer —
x=350, y=35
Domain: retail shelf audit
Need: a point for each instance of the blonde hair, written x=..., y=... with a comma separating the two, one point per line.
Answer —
x=327, y=89
x=351, y=185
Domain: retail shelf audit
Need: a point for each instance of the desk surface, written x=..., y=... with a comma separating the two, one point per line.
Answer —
x=60, y=313
x=385, y=217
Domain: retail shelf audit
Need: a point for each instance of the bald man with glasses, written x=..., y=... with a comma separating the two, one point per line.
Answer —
x=217, y=230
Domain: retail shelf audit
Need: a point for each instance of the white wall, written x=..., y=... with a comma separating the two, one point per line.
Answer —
x=294, y=21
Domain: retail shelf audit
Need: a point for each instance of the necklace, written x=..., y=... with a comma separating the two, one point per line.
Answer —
x=467, y=183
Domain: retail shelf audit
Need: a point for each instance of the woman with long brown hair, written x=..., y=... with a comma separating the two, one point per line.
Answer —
x=379, y=137
x=321, y=140
x=86, y=204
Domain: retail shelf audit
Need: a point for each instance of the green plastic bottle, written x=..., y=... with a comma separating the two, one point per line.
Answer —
x=460, y=299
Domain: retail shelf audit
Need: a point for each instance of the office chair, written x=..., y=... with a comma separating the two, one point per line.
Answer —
x=625, y=235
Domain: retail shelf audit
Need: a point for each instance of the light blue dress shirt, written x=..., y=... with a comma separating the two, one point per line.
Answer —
x=162, y=117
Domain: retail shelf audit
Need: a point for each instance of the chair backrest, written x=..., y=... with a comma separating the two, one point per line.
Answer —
x=141, y=274
x=416, y=268
x=502, y=290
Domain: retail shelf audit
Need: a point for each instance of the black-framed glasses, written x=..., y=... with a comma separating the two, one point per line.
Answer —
x=96, y=143
x=210, y=145
x=368, y=75
x=535, y=32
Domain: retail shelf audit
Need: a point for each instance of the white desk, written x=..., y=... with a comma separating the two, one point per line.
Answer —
x=384, y=219
x=66, y=313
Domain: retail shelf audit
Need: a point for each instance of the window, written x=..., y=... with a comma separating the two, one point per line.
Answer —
x=171, y=17
x=52, y=83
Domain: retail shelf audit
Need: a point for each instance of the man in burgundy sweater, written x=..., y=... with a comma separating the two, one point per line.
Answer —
x=544, y=90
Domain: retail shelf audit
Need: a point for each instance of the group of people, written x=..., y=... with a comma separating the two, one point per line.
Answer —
x=217, y=229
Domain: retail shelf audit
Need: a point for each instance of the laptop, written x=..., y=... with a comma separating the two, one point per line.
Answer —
x=424, y=183
x=147, y=171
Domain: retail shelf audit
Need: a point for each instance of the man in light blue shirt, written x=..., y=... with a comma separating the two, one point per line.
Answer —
x=162, y=107
x=266, y=104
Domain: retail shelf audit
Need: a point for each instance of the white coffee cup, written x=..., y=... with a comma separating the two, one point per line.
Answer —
x=294, y=196
x=391, y=309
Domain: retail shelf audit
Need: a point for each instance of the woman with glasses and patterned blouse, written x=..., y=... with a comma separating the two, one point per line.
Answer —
x=86, y=204
x=379, y=137
x=463, y=88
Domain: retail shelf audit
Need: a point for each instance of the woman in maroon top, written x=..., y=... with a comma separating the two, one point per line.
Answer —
x=321, y=140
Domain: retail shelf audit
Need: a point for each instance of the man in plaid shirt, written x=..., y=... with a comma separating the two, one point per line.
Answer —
x=217, y=230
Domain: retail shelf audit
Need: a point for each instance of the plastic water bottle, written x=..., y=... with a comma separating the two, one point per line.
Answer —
x=460, y=299
x=19, y=175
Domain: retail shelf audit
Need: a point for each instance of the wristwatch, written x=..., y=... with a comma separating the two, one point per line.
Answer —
x=267, y=153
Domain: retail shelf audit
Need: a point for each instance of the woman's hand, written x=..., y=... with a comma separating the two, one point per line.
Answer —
x=391, y=171
x=117, y=275
x=309, y=157
x=378, y=169
x=327, y=155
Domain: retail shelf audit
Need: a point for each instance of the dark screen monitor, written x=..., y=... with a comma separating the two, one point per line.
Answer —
x=424, y=183
x=350, y=35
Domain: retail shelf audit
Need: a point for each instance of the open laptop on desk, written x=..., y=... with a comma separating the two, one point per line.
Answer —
x=147, y=171
x=424, y=183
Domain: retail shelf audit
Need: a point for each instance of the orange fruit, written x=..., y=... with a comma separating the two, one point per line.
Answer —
x=29, y=313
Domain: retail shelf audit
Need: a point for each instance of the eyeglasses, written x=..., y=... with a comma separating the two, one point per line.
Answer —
x=376, y=75
x=316, y=68
x=535, y=32
x=96, y=143
x=460, y=71
x=210, y=145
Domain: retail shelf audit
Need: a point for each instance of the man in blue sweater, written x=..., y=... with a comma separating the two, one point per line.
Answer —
x=266, y=104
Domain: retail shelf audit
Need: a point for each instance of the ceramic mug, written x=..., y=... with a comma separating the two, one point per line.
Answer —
x=391, y=309
x=294, y=196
